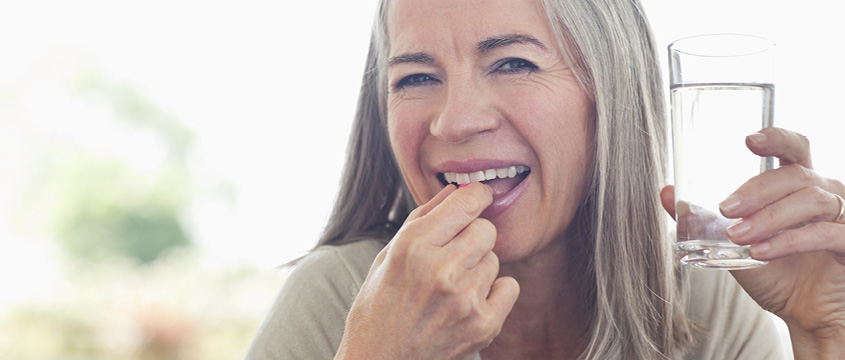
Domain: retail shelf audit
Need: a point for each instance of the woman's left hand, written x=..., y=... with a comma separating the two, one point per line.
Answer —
x=791, y=217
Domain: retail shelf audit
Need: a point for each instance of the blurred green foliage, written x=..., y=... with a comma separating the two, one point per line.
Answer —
x=106, y=175
x=96, y=201
x=108, y=209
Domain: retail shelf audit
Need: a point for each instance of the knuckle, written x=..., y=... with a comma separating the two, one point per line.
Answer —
x=468, y=305
x=766, y=217
x=481, y=329
x=790, y=241
x=414, y=214
x=405, y=256
x=398, y=247
x=491, y=263
x=823, y=231
x=778, y=134
x=484, y=227
x=383, y=254
x=444, y=280
x=468, y=204
x=819, y=196
x=804, y=141
x=803, y=174
x=494, y=260
x=403, y=244
x=835, y=184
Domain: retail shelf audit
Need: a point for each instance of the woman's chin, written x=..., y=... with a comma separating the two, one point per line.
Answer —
x=517, y=240
x=510, y=248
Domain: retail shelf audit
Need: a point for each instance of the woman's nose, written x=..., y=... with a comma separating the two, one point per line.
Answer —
x=466, y=110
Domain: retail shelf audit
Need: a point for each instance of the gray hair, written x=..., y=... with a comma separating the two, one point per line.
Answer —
x=631, y=276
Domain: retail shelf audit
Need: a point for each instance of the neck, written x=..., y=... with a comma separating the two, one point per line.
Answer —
x=550, y=318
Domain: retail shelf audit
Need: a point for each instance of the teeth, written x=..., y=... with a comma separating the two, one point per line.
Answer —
x=502, y=173
x=489, y=174
x=462, y=179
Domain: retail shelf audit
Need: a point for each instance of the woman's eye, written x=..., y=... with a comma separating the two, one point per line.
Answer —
x=516, y=65
x=415, y=80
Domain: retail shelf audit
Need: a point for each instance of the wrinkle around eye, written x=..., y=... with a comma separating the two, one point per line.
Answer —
x=416, y=80
x=514, y=66
x=402, y=90
x=414, y=92
x=557, y=82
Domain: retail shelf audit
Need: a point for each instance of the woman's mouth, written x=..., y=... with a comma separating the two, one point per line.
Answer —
x=483, y=175
x=505, y=183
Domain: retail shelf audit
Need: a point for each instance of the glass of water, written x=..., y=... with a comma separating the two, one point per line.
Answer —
x=721, y=91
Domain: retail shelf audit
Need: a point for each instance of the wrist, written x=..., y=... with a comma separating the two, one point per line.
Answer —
x=828, y=344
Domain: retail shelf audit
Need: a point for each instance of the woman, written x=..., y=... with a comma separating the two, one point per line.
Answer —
x=552, y=113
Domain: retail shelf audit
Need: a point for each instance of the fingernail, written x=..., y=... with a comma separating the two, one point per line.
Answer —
x=738, y=228
x=758, y=138
x=730, y=204
x=760, y=248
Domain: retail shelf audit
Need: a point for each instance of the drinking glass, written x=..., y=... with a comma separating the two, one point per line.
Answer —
x=722, y=90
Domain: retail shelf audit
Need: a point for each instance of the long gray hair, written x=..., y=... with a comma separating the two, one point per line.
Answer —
x=632, y=285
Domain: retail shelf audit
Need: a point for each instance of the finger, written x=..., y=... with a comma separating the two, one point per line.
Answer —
x=667, y=198
x=788, y=146
x=503, y=295
x=840, y=215
x=818, y=236
x=473, y=242
x=484, y=274
x=767, y=188
x=807, y=205
x=455, y=212
x=431, y=204
x=695, y=222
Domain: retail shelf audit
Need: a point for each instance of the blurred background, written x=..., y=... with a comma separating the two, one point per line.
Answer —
x=160, y=160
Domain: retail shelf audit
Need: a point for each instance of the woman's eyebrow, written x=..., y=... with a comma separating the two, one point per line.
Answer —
x=498, y=41
x=419, y=58
x=484, y=46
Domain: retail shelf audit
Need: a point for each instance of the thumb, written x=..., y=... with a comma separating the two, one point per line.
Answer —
x=667, y=198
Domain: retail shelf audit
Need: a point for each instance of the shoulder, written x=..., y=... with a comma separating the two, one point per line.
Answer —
x=732, y=325
x=308, y=317
x=346, y=264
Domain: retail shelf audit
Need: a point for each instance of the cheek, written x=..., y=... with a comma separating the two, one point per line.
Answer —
x=557, y=123
x=406, y=129
x=557, y=120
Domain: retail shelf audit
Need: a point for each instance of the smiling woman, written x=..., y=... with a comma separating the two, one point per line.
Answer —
x=496, y=97
x=551, y=113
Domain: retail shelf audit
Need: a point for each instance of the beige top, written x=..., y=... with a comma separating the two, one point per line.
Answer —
x=309, y=315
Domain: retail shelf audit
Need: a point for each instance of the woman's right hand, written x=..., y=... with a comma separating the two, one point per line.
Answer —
x=433, y=292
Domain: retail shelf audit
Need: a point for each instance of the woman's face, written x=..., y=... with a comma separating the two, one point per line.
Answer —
x=482, y=87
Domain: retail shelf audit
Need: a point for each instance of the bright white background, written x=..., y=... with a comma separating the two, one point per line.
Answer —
x=269, y=87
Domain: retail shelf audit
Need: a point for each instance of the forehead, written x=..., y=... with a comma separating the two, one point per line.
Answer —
x=412, y=24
